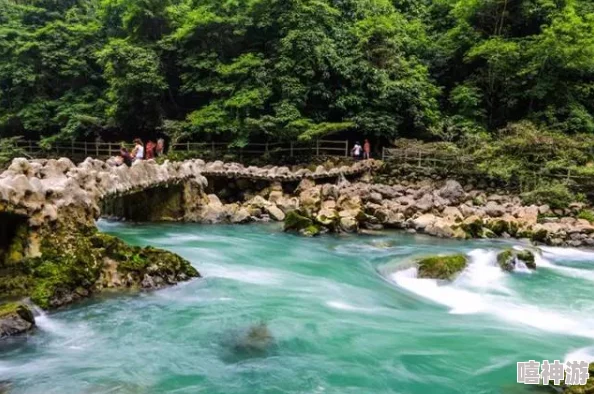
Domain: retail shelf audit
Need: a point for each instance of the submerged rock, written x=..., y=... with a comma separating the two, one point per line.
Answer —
x=15, y=319
x=257, y=338
x=441, y=267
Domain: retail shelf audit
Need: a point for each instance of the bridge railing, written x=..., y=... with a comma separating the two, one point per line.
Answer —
x=79, y=150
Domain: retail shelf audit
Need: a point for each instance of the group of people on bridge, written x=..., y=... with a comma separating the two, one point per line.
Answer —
x=141, y=152
x=359, y=152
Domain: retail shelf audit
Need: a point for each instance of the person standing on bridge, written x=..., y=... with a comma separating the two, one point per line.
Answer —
x=160, y=148
x=124, y=158
x=356, y=151
x=150, y=150
x=366, y=149
x=138, y=151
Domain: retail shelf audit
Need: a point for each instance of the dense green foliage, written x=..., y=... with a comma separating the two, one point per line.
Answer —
x=270, y=69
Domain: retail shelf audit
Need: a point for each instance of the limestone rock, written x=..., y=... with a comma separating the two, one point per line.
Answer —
x=423, y=221
x=275, y=213
x=15, y=319
x=348, y=224
x=453, y=192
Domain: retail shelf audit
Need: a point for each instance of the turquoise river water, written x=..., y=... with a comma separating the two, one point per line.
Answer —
x=345, y=314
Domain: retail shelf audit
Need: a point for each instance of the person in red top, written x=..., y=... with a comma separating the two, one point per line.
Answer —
x=150, y=150
x=366, y=149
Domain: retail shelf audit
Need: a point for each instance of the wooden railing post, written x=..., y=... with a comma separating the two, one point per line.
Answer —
x=291, y=149
x=346, y=148
x=96, y=150
x=188, y=146
x=86, y=150
x=109, y=148
x=212, y=145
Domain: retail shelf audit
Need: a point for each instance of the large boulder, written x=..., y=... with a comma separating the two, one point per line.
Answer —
x=441, y=267
x=15, y=319
x=453, y=192
x=424, y=204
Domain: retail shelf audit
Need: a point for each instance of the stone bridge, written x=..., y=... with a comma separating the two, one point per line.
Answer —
x=42, y=191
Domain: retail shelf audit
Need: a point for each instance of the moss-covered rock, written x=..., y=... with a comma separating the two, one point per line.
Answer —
x=473, y=227
x=15, y=319
x=72, y=261
x=527, y=257
x=507, y=260
x=540, y=236
x=296, y=222
x=441, y=267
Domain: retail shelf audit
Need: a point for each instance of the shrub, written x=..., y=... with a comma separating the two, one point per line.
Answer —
x=586, y=214
x=556, y=195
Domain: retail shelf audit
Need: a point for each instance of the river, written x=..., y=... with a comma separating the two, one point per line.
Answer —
x=343, y=314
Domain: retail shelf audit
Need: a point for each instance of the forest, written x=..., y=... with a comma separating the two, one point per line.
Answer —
x=270, y=70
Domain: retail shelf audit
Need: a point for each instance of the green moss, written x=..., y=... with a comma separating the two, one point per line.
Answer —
x=311, y=231
x=473, y=229
x=539, y=236
x=441, y=267
x=527, y=257
x=15, y=308
x=499, y=227
x=9, y=309
x=506, y=260
x=17, y=247
x=294, y=221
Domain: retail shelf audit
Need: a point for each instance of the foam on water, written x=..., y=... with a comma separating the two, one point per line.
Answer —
x=469, y=293
x=581, y=354
x=542, y=262
x=570, y=254
x=483, y=272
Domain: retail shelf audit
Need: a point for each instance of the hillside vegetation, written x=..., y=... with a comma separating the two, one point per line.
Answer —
x=243, y=70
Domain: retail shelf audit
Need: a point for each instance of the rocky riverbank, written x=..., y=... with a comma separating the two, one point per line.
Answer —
x=440, y=208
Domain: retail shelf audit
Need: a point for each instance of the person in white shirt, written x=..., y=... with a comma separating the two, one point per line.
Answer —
x=356, y=151
x=138, y=151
